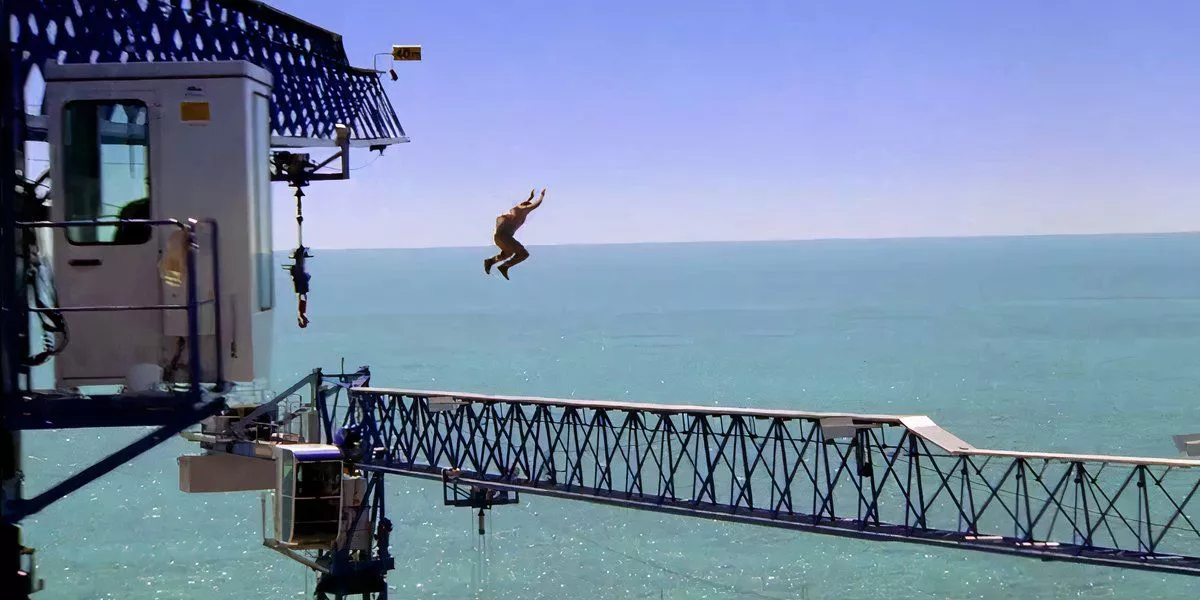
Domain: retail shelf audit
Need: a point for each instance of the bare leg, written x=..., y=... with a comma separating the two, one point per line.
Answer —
x=519, y=256
x=508, y=247
x=488, y=262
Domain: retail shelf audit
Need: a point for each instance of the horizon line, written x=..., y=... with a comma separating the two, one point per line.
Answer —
x=776, y=241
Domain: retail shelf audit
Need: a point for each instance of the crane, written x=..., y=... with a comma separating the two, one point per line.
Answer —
x=881, y=478
x=160, y=313
x=256, y=90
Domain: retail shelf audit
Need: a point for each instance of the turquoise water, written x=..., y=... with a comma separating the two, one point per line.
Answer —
x=1070, y=344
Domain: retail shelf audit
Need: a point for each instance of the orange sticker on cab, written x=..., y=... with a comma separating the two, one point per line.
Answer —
x=194, y=111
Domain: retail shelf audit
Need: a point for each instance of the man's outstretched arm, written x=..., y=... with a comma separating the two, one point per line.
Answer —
x=538, y=203
x=526, y=203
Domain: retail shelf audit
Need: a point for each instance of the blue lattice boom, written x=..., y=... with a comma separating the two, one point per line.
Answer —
x=315, y=86
x=874, y=477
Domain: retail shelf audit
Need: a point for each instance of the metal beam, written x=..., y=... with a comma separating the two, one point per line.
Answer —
x=102, y=467
x=37, y=130
x=849, y=528
x=239, y=427
x=13, y=325
x=876, y=477
x=314, y=86
x=38, y=411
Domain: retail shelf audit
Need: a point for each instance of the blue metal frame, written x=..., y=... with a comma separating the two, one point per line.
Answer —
x=883, y=482
x=349, y=574
x=57, y=411
x=177, y=422
x=173, y=411
x=33, y=412
x=315, y=87
x=193, y=302
x=13, y=330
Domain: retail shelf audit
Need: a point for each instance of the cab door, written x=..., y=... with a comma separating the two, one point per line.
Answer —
x=103, y=141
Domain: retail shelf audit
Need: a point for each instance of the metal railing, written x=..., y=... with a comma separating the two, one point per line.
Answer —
x=111, y=411
x=192, y=304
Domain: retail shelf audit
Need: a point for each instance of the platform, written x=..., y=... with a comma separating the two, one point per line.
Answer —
x=60, y=410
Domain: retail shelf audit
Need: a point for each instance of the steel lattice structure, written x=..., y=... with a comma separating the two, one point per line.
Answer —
x=314, y=90
x=315, y=87
x=879, y=477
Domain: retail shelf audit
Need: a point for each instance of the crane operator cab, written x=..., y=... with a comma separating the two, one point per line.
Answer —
x=316, y=504
x=158, y=141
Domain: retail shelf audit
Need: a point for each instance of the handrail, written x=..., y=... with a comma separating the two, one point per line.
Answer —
x=918, y=425
x=193, y=302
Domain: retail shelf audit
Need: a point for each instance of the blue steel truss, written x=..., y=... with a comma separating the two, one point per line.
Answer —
x=343, y=573
x=172, y=411
x=315, y=87
x=877, y=477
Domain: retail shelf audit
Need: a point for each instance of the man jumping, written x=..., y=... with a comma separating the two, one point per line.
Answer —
x=507, y=224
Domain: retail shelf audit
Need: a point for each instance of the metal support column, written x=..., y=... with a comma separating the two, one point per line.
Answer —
x=12, y=326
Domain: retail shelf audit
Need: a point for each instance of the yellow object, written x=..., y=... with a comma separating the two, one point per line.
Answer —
x=194, y=111
x=172, y=267
x=406, y=53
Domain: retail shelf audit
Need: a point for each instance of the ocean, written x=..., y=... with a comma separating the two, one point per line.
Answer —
x=1079, y=344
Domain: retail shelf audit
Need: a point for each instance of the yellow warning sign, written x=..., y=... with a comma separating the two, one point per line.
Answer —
x=194, y=111
x=406, y=53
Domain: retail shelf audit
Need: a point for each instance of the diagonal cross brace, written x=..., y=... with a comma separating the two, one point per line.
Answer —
x=26, y=508
x=239, y=427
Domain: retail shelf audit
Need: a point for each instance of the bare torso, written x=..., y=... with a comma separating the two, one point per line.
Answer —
x=509, y=222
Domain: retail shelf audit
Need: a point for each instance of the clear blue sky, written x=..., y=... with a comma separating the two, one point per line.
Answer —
x=702, y=120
